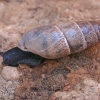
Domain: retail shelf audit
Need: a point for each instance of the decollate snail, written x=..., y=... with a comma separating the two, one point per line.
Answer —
x=52, y=42
x=62, y=39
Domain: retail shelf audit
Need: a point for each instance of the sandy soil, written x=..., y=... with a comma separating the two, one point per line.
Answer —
x=75, y=77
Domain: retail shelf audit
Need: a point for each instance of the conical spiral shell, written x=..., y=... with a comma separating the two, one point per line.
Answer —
x=62, y=39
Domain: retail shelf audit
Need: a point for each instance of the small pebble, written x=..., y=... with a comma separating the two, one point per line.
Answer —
x=8, y=84
x=10, y=73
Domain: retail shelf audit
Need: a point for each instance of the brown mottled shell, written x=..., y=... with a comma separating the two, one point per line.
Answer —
x=62, y=39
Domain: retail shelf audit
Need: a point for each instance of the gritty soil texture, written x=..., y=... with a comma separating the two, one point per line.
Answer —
x=75, y=77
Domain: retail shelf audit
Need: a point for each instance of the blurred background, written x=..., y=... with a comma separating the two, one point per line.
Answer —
x=44, y=12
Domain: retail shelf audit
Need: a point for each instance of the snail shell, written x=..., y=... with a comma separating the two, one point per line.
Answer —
x=62, y=39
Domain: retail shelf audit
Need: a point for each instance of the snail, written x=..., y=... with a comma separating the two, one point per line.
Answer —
x=59, y=40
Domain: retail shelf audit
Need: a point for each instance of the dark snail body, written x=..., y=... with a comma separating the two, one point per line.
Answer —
x=16, y=56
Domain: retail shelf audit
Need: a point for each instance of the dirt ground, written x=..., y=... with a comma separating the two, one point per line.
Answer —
x=75, y=77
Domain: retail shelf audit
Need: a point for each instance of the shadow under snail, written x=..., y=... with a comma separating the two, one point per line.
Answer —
x=53, y=42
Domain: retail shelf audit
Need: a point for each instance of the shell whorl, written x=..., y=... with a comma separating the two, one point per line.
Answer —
x=62, y=39
x=80, y=35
